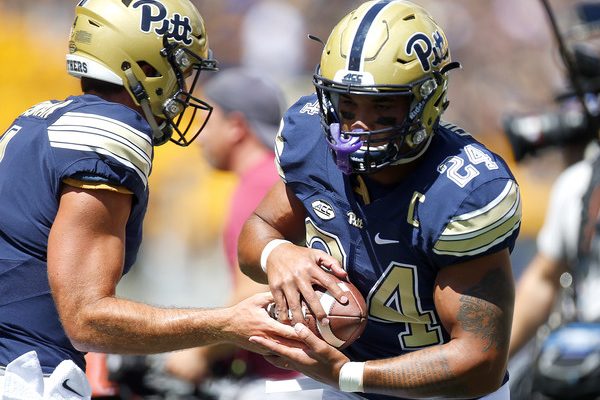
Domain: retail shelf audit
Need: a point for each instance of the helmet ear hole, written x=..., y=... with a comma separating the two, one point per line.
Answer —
x=149, y=70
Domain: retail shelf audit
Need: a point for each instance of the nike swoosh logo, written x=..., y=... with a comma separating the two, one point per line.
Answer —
x=379, y=240
x=65, y=384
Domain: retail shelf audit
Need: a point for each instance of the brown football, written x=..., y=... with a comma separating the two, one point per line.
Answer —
x=346, y=321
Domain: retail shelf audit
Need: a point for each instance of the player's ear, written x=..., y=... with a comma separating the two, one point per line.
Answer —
x=239, y=124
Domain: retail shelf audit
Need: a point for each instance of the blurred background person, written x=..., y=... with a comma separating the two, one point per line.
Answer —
x=557, y=312
x=239, y=138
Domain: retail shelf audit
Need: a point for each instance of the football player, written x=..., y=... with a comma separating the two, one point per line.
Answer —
x=74, y=191
x=420, y=216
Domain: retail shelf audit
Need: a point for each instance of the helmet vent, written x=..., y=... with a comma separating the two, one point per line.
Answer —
x=94, y=23
x=401, y=61
x=409, y=17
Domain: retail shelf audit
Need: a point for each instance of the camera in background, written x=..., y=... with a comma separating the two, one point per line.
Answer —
x=569, y=123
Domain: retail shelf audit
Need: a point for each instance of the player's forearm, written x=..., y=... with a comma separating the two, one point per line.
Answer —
x=446, y=371
x=115, y=325
x=255, y=235
x=533, y=303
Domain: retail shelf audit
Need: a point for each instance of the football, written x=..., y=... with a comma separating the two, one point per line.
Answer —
x=346, y=321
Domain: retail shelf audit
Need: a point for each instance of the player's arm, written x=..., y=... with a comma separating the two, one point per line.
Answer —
x=536, y=294
x=475, y=303
x=474, y=300
x=85, y=262
x=280, y=215
x=291, y=269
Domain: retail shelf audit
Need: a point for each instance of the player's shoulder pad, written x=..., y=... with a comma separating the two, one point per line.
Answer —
x=106, y=131
x=486, y=218
x=481, y=210
x=298, y=141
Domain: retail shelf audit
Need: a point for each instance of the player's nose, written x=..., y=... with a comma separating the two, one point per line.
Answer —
x=359, y=125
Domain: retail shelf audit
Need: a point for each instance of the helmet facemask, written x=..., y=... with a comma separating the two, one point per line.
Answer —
x=182, y=109
x=360, y=151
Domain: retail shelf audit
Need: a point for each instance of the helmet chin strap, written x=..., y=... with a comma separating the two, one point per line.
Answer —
x=160, y=134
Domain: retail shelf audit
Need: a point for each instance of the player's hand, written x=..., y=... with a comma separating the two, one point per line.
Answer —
x=250, y=318
x=293, y=270
x=316, y=358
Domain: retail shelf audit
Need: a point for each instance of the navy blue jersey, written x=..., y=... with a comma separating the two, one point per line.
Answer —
x=460, y=202
x=80, y=139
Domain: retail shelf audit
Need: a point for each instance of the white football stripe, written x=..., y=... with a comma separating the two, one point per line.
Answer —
x=329, y=337
x=327, y=302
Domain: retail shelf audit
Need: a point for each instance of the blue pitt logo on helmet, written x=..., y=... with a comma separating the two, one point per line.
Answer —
x=425, y=49
x=178, y=27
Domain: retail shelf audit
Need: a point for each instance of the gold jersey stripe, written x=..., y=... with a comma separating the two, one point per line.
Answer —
x=487, y=218
x=102, y=135
x=477, y=250
x=360, y=188
x=96, y=186
x=477, y=231
x=106, y=128
x=82, y=120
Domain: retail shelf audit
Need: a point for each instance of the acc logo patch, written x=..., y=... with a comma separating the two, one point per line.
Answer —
x=352, y=78
x=429, y=51
x=323, y=210
x=155, y=17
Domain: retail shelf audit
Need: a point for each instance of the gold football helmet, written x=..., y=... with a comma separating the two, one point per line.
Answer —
x=119, y=41
x=384, y=48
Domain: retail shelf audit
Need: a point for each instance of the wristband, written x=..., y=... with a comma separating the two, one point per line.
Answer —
x=351, y=377
x=267, y=251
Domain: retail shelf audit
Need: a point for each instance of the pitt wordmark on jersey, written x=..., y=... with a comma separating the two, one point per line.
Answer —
x=460, y=202
x=82, y=141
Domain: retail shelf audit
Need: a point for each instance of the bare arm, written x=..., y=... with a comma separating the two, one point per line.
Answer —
x=85, y=262
x=279, y=215
x=196, y=364
x=292, y=270
x=536, y=294
x=475, y=303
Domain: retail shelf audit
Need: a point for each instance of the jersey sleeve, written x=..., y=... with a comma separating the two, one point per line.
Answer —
x=298, y=146
x=102, y=145
x=487, y=220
